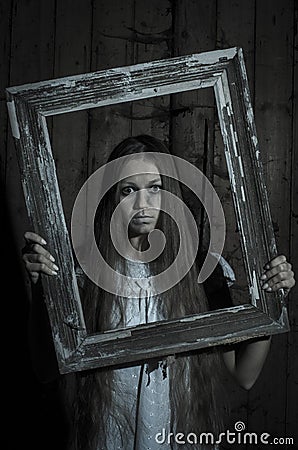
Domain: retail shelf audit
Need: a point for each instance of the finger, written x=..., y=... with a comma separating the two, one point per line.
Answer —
x=275, y=262
x=41, y=259
x=32, y=258
x=280, y=277
x=285, y=284
x=34, y=237
x=40, y=268
x=34, y=276
x=283, y=267
x=37, y=248
x=36, y=243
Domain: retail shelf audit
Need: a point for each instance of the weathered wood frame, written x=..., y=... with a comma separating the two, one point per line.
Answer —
x=28, y=107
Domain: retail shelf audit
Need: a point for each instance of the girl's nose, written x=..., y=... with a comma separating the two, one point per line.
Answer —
x=141, y=201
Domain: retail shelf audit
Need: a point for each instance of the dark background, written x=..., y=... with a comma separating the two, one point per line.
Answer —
x=48, y=39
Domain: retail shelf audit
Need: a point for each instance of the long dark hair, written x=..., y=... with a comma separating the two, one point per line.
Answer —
x=194, y=378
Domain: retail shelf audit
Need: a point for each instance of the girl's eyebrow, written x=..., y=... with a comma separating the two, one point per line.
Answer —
x=130, y=183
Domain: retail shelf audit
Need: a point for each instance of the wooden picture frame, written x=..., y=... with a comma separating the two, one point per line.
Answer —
x=29, y=105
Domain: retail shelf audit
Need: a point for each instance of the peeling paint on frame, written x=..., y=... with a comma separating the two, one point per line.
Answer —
x=224, y=70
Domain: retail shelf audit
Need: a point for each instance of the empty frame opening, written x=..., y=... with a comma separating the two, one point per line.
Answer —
x=188, y=125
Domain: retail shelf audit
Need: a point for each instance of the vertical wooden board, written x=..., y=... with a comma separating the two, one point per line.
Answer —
x=232, y=250
x=273, y=89
x=152, y=26
x=111, y=47
x=31, y=60
x=73, y=37
x=70, y=131
x=292, y=380
x=192, y=132
x=292, y=388
x=112, y=34
x=5, y=43
x=193, y=129
x=116, y=28
x=234, y=28
x=194, y=25
x=293, y=304
x=32, y=41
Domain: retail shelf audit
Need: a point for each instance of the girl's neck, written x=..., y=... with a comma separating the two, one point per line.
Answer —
x=138, y=242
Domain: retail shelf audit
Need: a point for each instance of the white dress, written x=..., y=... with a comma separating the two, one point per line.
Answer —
x=141, y=391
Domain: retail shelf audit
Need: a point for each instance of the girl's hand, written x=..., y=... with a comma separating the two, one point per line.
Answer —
x=36, y=258
x=278, y=274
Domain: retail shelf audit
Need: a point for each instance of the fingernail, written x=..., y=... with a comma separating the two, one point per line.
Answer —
x=52, y=258
x=43, y=242
x=55, y=267
x=269, y=289
x=54, y=273
x=265, y=286
x=267, y=267
x=263, y=277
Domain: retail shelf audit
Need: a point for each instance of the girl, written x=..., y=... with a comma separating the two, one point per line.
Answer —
x=128, y=407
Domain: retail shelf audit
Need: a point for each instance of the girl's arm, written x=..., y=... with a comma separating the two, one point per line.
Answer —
x=245, y=360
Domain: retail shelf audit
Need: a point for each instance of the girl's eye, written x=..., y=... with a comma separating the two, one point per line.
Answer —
x=127, y=190
x=155, y=188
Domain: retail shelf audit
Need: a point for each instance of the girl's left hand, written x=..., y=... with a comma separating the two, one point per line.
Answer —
x=278, y=275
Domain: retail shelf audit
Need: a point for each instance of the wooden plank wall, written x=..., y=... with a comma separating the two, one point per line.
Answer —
x=46, y=39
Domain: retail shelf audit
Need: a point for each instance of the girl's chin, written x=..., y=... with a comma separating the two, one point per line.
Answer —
x=135, y=230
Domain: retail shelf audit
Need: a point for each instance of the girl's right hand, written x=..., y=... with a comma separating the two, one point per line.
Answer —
x=36, y=258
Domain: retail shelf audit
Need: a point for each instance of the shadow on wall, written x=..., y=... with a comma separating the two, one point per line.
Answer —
x=32, y=413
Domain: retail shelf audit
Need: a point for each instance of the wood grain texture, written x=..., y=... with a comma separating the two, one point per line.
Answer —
x=169, y=337
x=5, y=48
x=265, y=42
x=192, y=124
x=291, y=391
x=29, y=105
x=69, y=135
x=152, y=41
x=112, y=46
x=235, y=24
x=31, y=59
x=273, y=90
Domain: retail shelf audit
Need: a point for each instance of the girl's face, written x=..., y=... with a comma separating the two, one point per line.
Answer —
x=142, y=194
